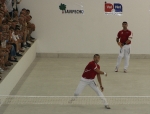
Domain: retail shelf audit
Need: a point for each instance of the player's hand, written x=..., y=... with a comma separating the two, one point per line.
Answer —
x=105, y=74
x=120, y=44
x=101, y=87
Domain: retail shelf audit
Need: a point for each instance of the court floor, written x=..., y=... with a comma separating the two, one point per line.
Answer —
x=60, y=77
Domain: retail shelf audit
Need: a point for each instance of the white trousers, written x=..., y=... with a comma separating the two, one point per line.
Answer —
x=124, y=52
x=92, y=84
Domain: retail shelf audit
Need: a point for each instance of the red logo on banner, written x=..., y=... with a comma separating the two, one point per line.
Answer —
x=108, y=7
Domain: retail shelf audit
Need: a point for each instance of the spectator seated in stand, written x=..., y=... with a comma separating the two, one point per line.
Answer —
x=15, y=33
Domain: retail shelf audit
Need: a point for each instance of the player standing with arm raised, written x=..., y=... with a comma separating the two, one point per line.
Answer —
x=91, y=70
x=124, y=41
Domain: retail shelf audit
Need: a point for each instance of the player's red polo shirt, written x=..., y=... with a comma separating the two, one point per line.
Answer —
x=89, y=72
x=123, y=35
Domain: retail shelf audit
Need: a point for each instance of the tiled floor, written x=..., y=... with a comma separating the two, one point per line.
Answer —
x=60, y=77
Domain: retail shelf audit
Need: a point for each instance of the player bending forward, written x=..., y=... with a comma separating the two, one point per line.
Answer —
x=91, y=70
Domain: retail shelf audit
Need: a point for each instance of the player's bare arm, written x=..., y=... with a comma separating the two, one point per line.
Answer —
x=100, y=72
x=129, y=39
x=100, y=82
x=118, y=42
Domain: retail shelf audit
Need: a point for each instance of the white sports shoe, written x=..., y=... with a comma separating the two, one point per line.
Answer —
x=107, y=107
x=125, y=71
x=29, y=42
x=116, y=69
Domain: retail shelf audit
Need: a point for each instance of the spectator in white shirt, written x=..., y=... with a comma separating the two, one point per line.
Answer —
x=9, y=7
x=15, y=2
x=16, y=39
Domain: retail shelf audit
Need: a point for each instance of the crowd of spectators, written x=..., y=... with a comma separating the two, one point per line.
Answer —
x=15, y=33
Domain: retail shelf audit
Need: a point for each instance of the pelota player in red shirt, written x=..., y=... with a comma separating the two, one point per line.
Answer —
x=91, y=70
x=123, y=39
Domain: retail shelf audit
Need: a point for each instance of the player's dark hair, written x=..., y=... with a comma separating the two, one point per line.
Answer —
x=28, y=10
x=96, y=55
x=23, y=9
x=124, y=22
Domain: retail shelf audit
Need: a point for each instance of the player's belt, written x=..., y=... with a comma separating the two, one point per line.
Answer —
x=124, y=44
x=87, y=78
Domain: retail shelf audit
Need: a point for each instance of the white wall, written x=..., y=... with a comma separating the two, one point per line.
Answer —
x=92, y=32
x=10, y=81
